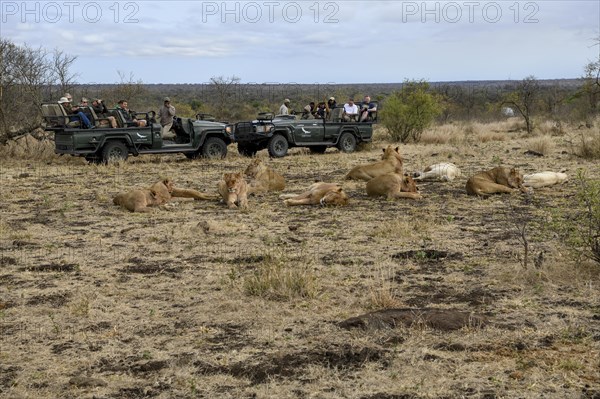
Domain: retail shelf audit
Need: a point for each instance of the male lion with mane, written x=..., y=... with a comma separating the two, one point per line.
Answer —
x=263, y=178
x=496, y=180
x=393, y=186
x=318, y=193
x=391, y=162
x=161, y=192
x=234, y=190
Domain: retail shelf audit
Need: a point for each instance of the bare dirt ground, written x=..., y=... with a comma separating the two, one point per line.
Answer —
x=199, y=301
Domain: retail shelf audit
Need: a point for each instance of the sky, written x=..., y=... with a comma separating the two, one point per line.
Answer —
x=311, y=41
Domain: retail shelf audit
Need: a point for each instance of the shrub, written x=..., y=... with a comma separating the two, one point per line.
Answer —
x=588, y=145
x=580, y=225
x=541, y=145
x=409, y=111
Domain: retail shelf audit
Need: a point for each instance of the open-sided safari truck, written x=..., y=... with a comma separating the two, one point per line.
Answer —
x=193, y=138
x=278, y=133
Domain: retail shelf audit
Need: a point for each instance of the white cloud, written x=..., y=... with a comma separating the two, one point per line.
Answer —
x=392, y=39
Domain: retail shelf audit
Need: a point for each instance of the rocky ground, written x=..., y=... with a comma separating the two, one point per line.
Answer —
x=198, y=301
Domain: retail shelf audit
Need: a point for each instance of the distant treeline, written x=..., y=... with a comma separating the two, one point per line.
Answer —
x=232, y=100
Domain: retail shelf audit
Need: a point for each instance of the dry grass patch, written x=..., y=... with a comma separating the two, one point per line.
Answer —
x=276, y=277
x=587, y=144
x=542, y=145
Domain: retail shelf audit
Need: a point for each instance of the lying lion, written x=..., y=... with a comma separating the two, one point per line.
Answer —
x=263, y=178
x=234, y=190
x=497, y=180
x=393, y=186
x=161, y=192
x=318, y=193
x=391, y=162
x=444, y=171
x=544, y=179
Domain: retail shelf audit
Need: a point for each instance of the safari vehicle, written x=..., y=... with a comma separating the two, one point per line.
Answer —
x=279, y=133
x=193, y=138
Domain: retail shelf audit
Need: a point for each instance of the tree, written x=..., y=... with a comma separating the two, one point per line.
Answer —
x=590, y=89
x=61, y=64
x=24, y=73
x=224, y=90
x=523, y=99
x=409, y=111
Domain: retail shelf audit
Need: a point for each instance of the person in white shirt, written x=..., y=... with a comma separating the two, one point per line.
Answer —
x=284, y=109
x=350, y=111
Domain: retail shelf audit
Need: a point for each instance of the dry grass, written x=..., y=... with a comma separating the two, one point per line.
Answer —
x=542, y=145
x=587, y=144
x=196, y=300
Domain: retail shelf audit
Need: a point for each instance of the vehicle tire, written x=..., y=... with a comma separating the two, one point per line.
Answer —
x=247, y=150
x=278, y=146
x=214, y=148
x=347, y=142
x=114, y=151
x=318, y=149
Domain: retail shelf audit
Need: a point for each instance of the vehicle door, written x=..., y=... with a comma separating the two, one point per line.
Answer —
x=309, y=131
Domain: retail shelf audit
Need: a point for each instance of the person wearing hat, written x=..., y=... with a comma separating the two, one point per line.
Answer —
x=331, y=103
x=284, y=109
x=166, y=113
x=307, y=112
x=74, y=114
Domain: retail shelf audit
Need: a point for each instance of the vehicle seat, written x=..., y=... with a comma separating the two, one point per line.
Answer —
x=54, y=115
x=336, y=114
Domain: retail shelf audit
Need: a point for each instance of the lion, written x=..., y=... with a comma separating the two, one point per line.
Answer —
x=318, y=193
x=544, y=179
x=263, y=178
x=393, y=186
x=391, y=162
x=234, y=190
x=160, y=193
x=444, y=171
x=497, y=180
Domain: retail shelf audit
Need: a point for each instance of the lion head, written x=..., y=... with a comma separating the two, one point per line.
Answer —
x=168, y=182
x=515, y=179
x=233, y=181
x=391, y=152
x=255, y=167
x=335, y=197
x=408, y=184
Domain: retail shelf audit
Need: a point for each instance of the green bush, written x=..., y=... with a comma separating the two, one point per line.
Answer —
x=579, y=226
x=409, y=111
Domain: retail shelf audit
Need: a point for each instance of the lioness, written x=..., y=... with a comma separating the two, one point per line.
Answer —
x=318, y=193
x=234, y=190
x=497, y=180
x=161, y=192
x=444, y=171
x=391, y=162
x=544, y=179
x=263, y=178
x=393, y=186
